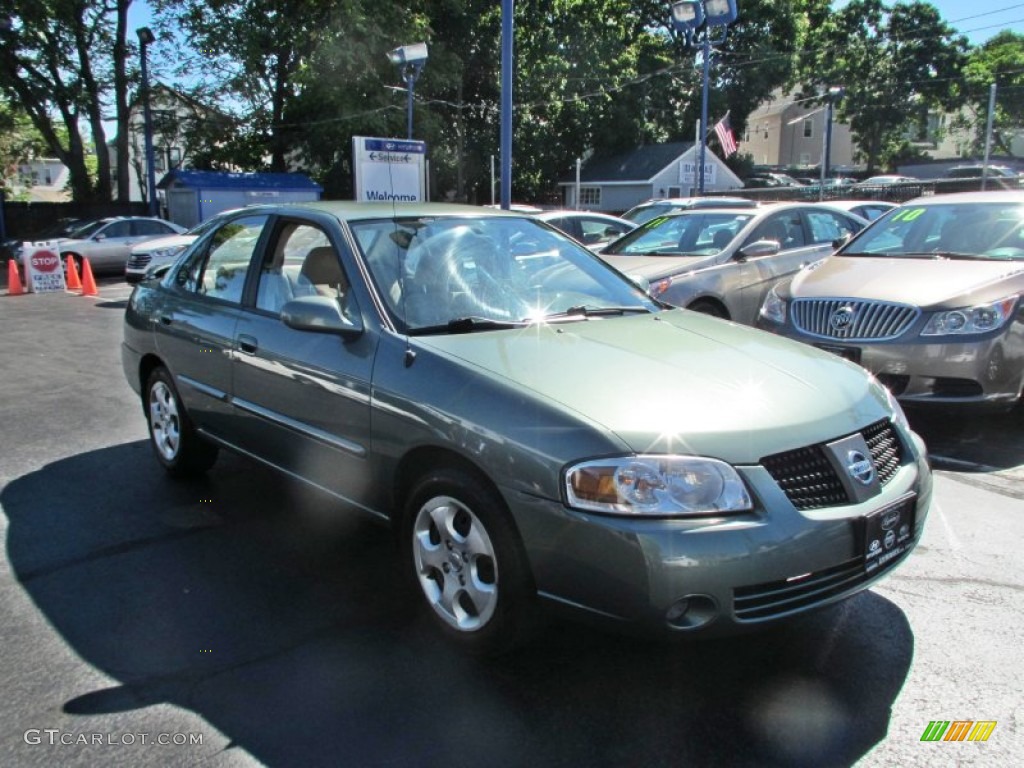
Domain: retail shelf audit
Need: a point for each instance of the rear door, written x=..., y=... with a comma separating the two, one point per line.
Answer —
x=196, y=333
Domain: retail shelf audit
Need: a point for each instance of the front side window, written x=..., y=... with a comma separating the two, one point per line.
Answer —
x=218, y=270
x=826, y=226
x=301, y=262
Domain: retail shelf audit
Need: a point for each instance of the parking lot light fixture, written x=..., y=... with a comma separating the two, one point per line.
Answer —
x=146, y=38
x=704, y=21
x=410, y=60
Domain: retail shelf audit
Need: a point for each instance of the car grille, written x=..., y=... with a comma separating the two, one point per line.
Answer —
x=852, y=320
x=810, y=481
x=138, y=260
x=775, y=599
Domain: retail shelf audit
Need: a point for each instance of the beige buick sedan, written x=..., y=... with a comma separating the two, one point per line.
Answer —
x=927, y=298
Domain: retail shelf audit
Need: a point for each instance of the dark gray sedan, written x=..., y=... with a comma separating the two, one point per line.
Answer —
x=534, y=427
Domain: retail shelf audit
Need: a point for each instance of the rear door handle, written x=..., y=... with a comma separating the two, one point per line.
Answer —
x=248, y=344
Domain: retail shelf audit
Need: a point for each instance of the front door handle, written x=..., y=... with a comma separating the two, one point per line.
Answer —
x=248, y=344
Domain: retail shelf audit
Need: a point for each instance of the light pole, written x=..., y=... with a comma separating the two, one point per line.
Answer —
x=705, y=19
x=410, y=60
x=146, y=39
x=834, y=93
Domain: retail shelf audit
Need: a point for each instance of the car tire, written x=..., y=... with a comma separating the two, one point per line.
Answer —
x=466, y=561
x=177, y=445
x=712, y=308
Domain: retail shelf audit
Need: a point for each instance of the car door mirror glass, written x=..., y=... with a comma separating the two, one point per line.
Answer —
x=320, y=314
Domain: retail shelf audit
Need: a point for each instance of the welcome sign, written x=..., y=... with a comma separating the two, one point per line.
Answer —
x=389, y=170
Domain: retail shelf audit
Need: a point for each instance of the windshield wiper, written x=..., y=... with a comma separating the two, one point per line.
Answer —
x=584, y=311
x=467, y=325
x=952, y=255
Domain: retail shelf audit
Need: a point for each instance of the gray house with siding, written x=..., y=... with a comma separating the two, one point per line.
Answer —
x=615, y=184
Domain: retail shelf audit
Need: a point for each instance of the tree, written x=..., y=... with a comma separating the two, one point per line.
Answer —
x=895, y=62
x=20, y=143
x=1000, y=60
x=59, y=59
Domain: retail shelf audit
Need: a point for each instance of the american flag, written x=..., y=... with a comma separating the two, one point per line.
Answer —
x=723, y=130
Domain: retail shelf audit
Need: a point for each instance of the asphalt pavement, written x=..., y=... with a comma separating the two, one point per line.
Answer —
x=244, y=619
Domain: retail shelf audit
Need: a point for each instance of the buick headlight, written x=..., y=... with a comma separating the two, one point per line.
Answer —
x=656, y=485
x=981, y=319
x=774, y=308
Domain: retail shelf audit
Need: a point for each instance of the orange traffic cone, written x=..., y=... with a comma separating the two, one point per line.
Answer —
x=13, y=279
x=88, y=282
x=74, y=284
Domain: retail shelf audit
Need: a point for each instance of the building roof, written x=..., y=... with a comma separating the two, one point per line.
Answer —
x=231, y=180
x=640, y=165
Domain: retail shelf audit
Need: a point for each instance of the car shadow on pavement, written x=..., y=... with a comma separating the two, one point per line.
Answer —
x=280, y=620
x=984, y=442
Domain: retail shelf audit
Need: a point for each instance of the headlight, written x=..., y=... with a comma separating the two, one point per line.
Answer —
x=898, y=416
x=167, y=253
x=774, y=308
x=982, y=319
x=656, y=485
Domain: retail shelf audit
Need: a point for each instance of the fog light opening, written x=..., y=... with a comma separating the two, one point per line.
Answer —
x=691, y=612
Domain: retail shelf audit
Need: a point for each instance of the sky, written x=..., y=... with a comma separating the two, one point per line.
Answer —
x=978, y=19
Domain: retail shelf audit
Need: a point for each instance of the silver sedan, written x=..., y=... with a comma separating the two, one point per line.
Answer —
x=723, y=262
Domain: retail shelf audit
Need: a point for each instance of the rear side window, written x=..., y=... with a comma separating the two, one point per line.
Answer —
x=219, y=270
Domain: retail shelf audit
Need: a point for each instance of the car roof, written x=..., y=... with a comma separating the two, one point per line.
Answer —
x=350, y=210
x=994, y=196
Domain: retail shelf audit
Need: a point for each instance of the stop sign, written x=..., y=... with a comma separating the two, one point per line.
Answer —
x=45, y=261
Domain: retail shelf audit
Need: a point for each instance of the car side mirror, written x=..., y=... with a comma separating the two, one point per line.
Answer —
x=320, y=314
x=99, y=238
x=758, y=249
x=839, y=242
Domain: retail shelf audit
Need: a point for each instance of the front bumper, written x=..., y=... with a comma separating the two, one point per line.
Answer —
x=983, y=373
x=715, y=575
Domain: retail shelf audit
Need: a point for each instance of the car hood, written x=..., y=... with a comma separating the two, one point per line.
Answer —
x=170, y=241
x=922, y=282
x=678, y=382
x=654, y=267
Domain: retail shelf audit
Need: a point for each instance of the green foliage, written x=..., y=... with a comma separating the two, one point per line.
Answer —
x=896, y=63
x=1001, y=61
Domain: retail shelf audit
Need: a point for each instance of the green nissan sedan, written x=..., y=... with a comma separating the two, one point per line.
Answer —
x=536, y=429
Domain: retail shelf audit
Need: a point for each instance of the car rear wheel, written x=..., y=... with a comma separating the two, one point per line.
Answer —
x=178, y=447
x=468, y=563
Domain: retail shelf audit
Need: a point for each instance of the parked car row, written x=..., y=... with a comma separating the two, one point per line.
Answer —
x=538, y=430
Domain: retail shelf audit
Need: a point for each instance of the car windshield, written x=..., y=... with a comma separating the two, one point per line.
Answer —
x=691, y=234
x=458, y=274
x=954, y=230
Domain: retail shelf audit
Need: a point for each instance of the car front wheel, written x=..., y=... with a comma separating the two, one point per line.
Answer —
x=468, y=563
x=178, y=447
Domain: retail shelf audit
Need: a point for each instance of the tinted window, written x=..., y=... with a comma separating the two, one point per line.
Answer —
x=143, y=227
x=117, y=229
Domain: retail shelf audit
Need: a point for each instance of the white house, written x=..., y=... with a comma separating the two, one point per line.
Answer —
x=615, y=184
